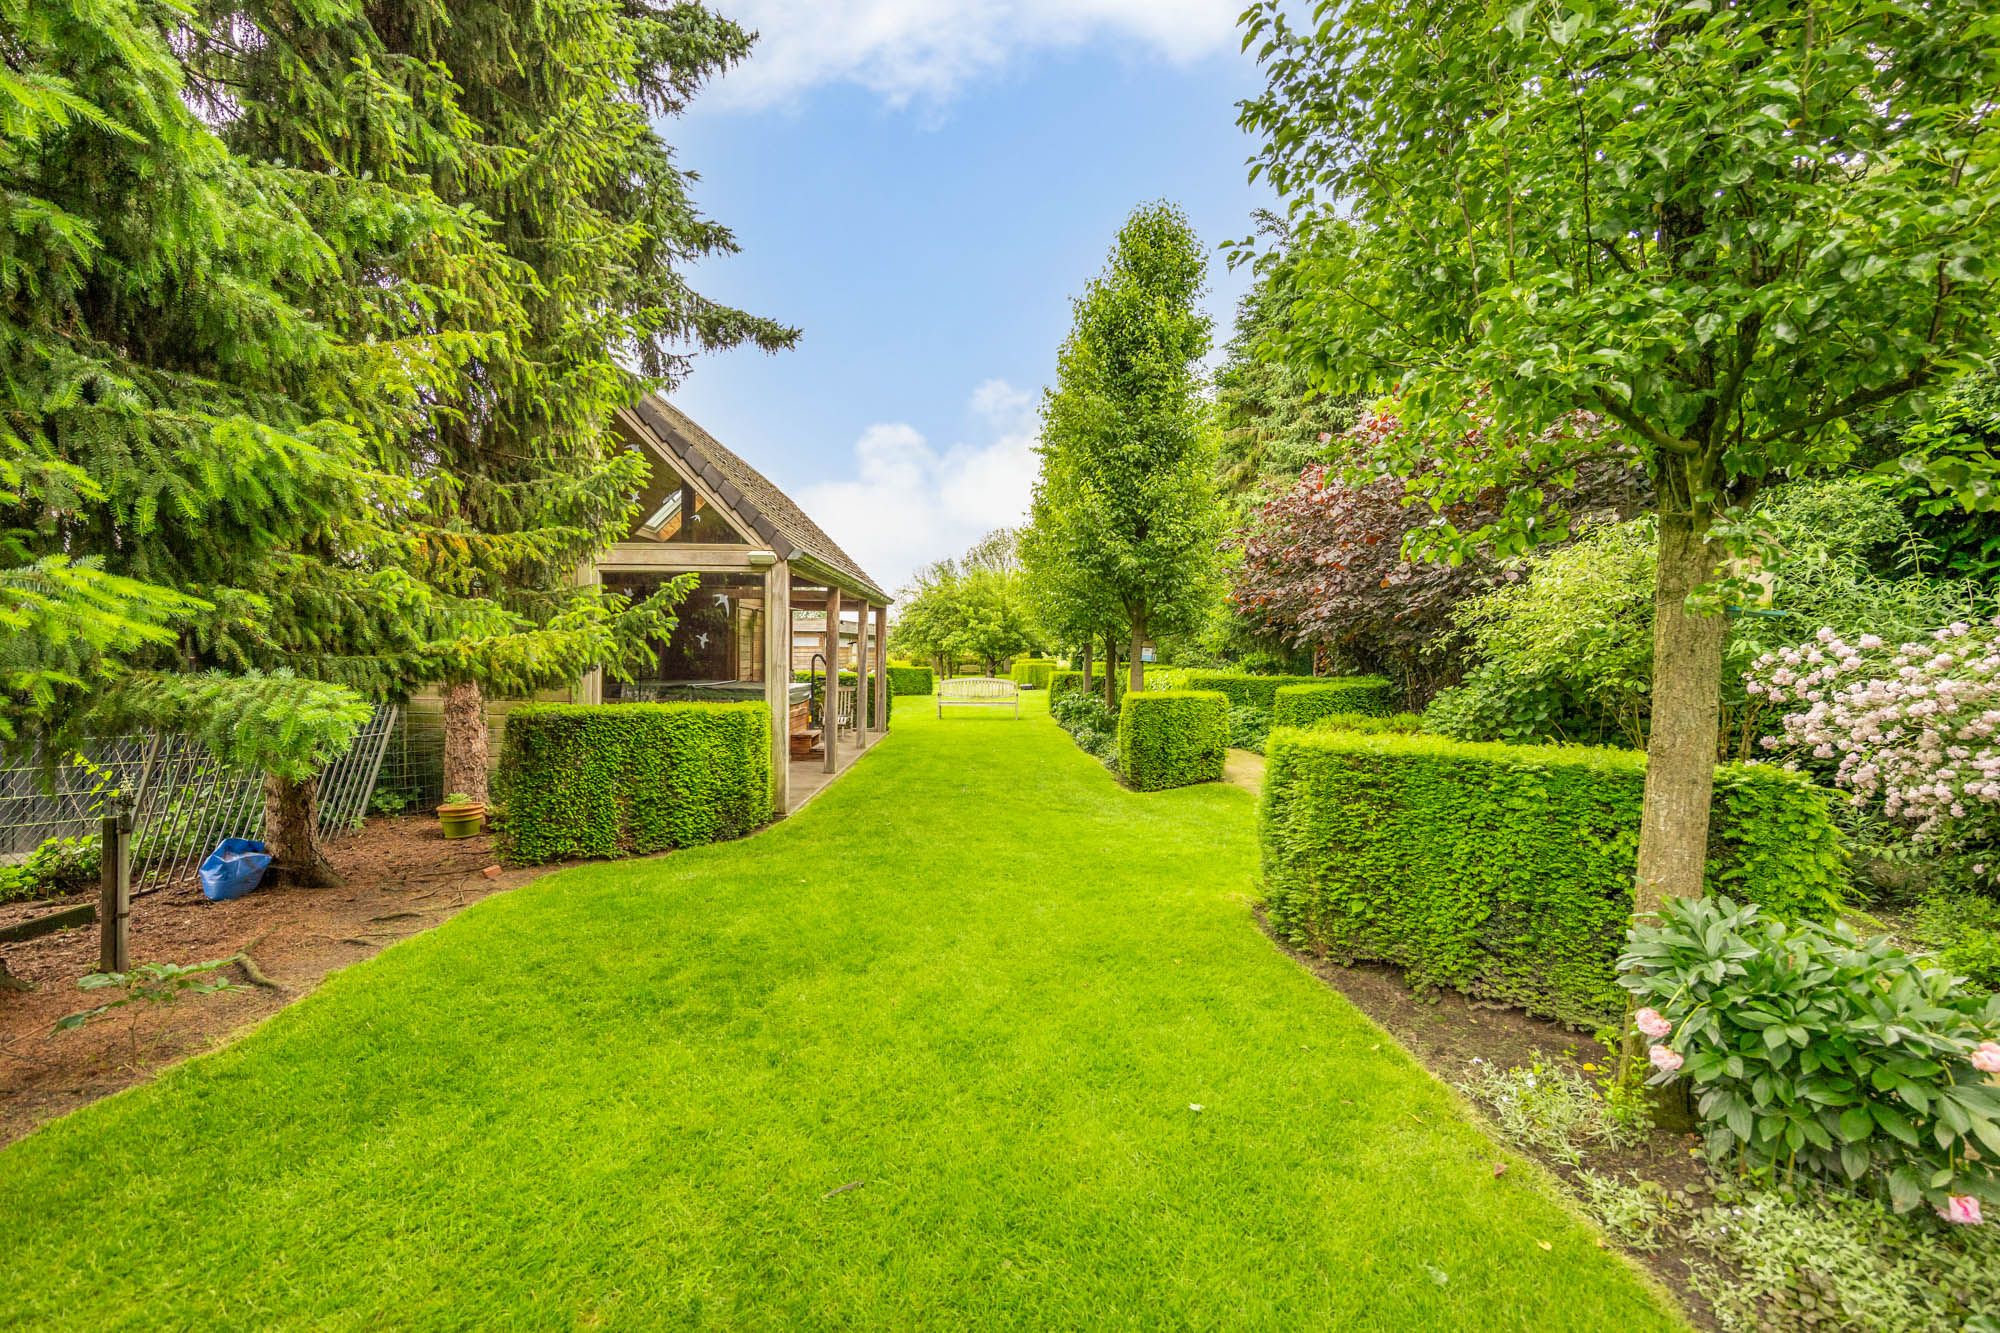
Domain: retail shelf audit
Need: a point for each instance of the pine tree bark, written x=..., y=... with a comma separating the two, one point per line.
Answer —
x=291, y=834
x=465, y=740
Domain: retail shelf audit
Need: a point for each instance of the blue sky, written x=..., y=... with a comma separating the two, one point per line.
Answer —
x=922, y=186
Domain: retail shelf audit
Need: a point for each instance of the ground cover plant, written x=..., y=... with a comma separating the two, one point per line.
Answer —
x=1812, y=1049
x=1034, y=1068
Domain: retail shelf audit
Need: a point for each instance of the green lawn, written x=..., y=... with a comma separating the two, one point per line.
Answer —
x=976, y=976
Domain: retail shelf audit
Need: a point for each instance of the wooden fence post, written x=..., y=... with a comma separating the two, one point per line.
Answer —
x=114, y=943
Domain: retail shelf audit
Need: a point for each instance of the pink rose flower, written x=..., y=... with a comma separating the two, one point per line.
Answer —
x=1961, y=1210
x=1652, y=1023
x=1987, y=1058
x=1665, y=1059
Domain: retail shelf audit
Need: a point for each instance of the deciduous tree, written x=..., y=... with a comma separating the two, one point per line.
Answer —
x=1729, y=228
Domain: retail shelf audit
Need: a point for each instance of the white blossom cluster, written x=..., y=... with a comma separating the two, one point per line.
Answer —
x=1911, y=728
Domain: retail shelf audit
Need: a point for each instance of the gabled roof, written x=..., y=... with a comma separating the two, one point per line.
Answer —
x=748, y=494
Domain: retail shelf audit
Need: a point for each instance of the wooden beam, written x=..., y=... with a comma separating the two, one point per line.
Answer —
x=861, y=719
x=778, y=680
x=882, y=669
x=830, y=727
x=675, y=558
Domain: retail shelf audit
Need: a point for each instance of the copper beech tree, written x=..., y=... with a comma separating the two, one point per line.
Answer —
x=1729, y=228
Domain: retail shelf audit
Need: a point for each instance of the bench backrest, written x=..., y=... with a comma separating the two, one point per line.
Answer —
x=976, y=687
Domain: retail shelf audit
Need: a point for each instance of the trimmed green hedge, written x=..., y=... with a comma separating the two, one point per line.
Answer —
x=625, y=779
x=911, y=680
x=1401, y=724
x=1172, y=738
x=847, y=678
x=1033, y=673
x=1506, y=871
x=1245, y=691
x=1302, y=705
x=1066, y=681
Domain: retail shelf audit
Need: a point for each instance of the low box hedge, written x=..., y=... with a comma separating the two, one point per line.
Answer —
x=583, y=780
x=1302, y=705
x=1506, y=871
x=1032, y=673
x=1245, y=691
x=1172, y=738
x=911, y=680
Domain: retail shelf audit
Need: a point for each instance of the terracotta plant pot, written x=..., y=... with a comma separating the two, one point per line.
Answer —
x=461, y=821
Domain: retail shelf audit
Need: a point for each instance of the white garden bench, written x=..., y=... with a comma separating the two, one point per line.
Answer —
x=978, y=692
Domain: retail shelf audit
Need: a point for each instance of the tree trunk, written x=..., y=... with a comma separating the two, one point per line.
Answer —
x=1680, y=761
x=465, y=740
x=1136, y=662
x=1088, y=645
x=1110, y=673
x=291, y=834
x=1681, y=745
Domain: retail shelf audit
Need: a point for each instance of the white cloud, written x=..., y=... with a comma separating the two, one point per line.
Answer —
x=909, y=503
x=928, y=50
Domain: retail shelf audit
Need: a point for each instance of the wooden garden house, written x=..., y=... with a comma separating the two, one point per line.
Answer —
x=777, y=597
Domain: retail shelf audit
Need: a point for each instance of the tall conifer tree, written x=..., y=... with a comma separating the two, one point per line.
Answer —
x=534, y=119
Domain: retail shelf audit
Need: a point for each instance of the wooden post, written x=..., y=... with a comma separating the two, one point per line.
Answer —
x=114, y=911
x=862, y=722
x=831, y=733
x=778, y=680
x=882, y=669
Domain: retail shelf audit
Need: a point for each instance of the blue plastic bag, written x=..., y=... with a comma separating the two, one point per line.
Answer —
x=235, y=867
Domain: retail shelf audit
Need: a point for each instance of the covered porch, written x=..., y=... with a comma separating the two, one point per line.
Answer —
x=778, y=613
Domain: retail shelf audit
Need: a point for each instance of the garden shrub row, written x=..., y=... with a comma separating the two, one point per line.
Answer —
x=1065, y=681
x=583, y=780
x=1400, y=724
x=1172, y=738
x=1506, y=871
x=911, y=680
x=847, y=678
x=1032, y=673
x=1302, y=705
x=1244, y=691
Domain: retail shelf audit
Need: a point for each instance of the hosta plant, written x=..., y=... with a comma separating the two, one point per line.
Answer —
x=1809, y=1048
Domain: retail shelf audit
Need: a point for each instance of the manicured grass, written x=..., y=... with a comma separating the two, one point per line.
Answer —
x=976, y=977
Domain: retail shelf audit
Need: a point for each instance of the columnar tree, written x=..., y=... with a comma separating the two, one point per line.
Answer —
x=1125, y=497
x=1730, y=228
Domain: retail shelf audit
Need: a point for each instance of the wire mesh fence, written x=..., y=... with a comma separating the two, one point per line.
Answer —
x=185, y=801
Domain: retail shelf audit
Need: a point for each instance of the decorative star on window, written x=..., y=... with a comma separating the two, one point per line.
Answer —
x=722, y=600
x=701, y=639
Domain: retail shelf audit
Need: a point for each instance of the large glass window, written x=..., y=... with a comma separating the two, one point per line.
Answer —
x=716, y=649
x=671, y=511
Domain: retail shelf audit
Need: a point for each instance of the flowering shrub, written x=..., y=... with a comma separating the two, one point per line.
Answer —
x=1324, y=562
x=1808, y=1047
x=1911, y=727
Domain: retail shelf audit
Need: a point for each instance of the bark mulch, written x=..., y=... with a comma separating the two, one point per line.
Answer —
x=401, y=876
